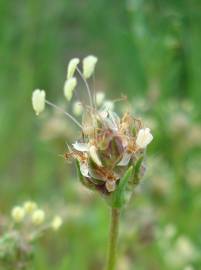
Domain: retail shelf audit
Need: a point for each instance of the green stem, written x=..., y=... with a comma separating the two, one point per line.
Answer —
x=113, y=237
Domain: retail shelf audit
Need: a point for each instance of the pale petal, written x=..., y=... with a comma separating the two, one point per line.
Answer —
x=84, y=169
x=144, y=137
x=94, y=155
x=81, y=147
x=125, y=159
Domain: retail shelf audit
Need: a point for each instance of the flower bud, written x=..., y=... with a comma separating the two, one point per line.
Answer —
x=72, y=67
x=38, y=217
x=89, y=64
x=69, y=86
x=29, y=207
x=18, y=214
x=144, y=137
x=56, y=223
x=38, y=101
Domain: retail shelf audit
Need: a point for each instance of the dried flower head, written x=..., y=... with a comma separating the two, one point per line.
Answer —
x=110, y=151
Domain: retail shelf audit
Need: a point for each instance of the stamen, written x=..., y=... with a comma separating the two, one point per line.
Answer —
x=87, y=87
x=66, y=113
x=94, y=91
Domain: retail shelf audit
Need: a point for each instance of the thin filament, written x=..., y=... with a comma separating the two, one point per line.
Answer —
x=87, y=87
x=66, y=113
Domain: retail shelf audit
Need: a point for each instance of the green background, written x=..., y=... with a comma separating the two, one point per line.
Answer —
x=147, y=50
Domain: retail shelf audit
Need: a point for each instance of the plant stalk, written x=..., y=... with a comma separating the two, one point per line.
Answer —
x=113, y=238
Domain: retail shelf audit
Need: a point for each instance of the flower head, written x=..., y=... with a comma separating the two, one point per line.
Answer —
x=89, y=64
x=38, y=101
x=110, y=151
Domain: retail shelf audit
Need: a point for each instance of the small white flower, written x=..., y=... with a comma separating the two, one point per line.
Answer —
x=17, y=214
x=72, y=67
x=38, y=217
x=144, y=137
x=29, y=206
x=38, y=101
x=56, y=223
x=69, y=86
x=89, y=64
x=100, y=96
x=77, y=108
x=94, y=155
x=81, y=147
x=110, y=186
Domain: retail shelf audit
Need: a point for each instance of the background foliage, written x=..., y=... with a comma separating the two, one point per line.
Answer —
x=148, y=50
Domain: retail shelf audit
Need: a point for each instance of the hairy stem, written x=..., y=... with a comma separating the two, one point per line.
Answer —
x=113, y=238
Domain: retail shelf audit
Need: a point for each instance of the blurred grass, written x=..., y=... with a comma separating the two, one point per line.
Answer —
x=147, y=50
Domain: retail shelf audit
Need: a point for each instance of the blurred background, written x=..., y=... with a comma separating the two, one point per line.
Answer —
x=147, y=50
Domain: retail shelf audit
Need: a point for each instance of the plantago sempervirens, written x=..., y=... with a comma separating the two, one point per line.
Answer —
x=110, y=151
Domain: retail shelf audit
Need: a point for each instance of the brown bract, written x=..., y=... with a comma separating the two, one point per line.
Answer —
x=107, y=147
